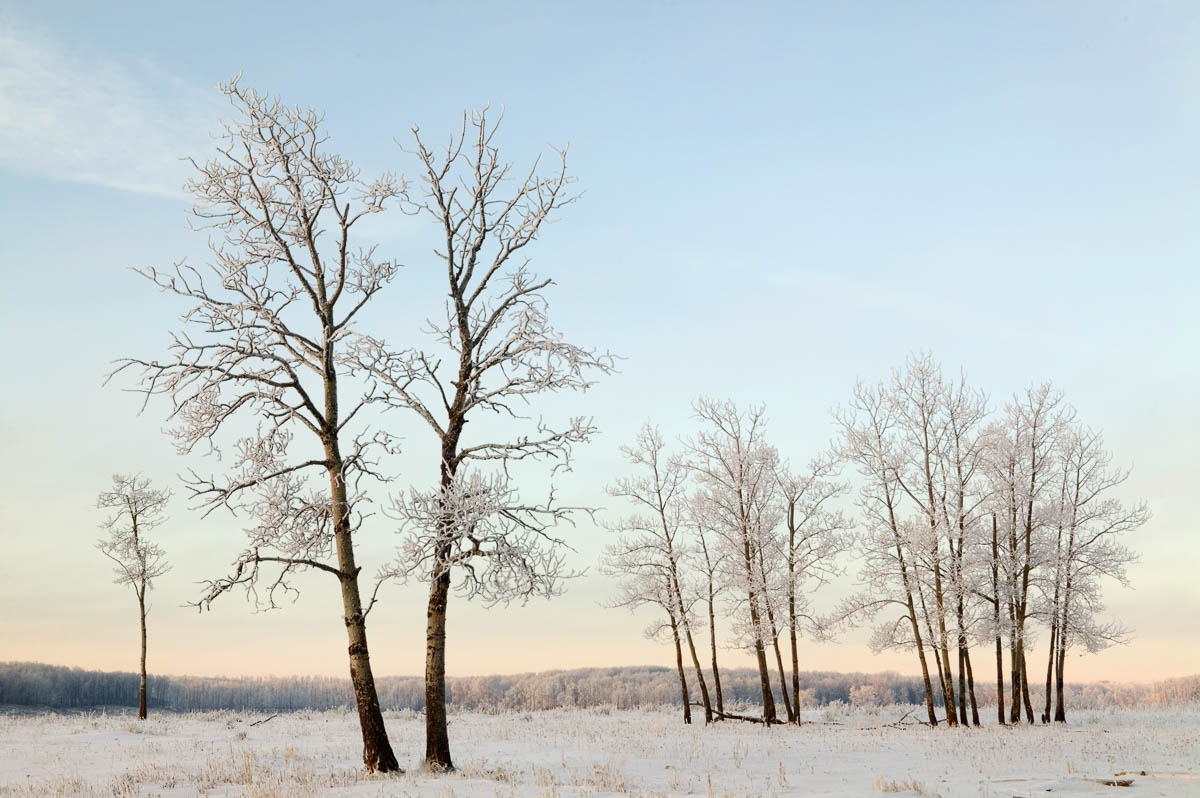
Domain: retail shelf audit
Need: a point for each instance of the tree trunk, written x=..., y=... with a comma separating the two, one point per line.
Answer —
x=712, y=630
x=1060, y=711
x=795, y=661
x=1025, y=684
x=916, y=628
x=760, y=655
x=687, y=631
x=999, y=679
x=791, y=595
x=944, y=679
x=783, y=690
x=377, y=750
x=944, y=642
x=712, y=623
x=971, y=688
x=1050, y=665
x=1014, y=661
x=996, y=622
x=437, y=733
x=142, y=681
x=683, y=687
x=962, y=682
x=704, y=697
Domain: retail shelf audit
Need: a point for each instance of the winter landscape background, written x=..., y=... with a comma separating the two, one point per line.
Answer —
x=637, y=399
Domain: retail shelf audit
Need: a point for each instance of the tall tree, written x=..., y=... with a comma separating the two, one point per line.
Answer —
x=1089, y=524
x=652, y=540
x=138, y=509
x=817, y=534
x=889, y=545
x=1021, y=454
x=962, y=498
x=264, y=348
x=734, y=469
x=495, y=350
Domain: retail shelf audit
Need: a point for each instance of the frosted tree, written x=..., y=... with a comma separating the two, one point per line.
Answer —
x=919, y=395
x=888, y=544
x=137, y=509
x=816, y=535
x=493, y=353
x=1020, y=464
x=262, y=358
x=734, y=471
x=962, y=500
x=1088, y=524
x=652, y=541
x=645, y=581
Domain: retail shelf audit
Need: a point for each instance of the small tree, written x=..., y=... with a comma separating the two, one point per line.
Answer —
x=502, y=351
x=137, y=509
x=265, y=341
x=652, y=542
x=734, y=469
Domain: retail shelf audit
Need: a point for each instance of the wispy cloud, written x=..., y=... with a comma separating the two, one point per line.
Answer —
x=74, y=116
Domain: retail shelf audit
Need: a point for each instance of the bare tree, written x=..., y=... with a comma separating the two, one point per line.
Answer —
x=963, y=499
x=265, y=342
x=1020, y=460
x=817, y=534
x=495, y=350
x=652, y=541
x=734, y=469
x=138, y=508
x=643, y=581
x=888, y=547
x=1088, y=527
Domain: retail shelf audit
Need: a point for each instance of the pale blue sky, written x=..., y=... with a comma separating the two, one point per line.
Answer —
x=780, y=198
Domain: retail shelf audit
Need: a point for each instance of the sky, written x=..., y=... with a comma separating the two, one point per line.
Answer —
x=779, y=199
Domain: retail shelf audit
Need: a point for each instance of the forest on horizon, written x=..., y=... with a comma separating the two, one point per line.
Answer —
x=29, y=684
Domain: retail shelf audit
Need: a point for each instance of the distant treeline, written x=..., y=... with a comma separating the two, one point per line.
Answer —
x=51, y=686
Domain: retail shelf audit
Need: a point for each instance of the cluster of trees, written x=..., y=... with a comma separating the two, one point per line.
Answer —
x=971, y=527
x=725, y=526
x=276, y=367
x=975, y=525
x=33, y=684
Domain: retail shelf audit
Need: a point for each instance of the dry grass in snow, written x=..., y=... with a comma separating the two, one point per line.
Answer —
x=594, y=753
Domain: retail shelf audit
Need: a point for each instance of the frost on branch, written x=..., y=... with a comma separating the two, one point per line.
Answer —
x=503, y=549
x=138, y=508
x=264, y=346
x=267, y=332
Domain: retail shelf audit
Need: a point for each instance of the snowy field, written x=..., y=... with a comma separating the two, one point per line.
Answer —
x=595, y=753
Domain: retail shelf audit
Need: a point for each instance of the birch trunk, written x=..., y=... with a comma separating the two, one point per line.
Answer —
x=142, y=680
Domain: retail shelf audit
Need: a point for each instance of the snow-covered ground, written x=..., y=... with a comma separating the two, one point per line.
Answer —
x=595, y=753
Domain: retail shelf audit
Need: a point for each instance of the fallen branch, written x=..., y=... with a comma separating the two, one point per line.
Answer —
x=718, y=715
x=1115, y=782
x=264, y=720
